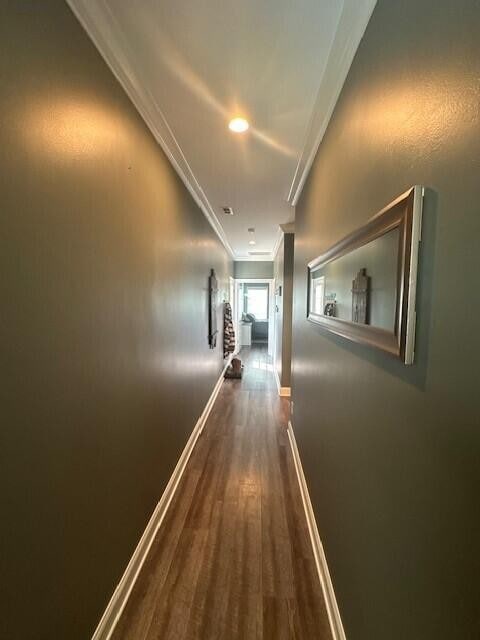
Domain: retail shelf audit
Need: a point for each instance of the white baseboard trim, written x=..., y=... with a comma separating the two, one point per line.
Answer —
x=282, y=391
x=333, y=612
x=124, y=588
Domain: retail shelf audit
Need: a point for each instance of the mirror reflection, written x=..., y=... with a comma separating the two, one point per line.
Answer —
x=360, y=286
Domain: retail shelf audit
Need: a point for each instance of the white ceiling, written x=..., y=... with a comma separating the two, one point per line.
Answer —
x=191, y=65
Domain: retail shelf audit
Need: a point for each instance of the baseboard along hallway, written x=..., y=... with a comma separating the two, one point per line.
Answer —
x=293, y=182
x=233, y=558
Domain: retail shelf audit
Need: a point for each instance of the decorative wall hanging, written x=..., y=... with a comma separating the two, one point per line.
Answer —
x=360, y=291
x=377, y=307
x=212, y=310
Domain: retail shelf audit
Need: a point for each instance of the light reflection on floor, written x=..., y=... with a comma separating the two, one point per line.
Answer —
x=264, y=366
x=259, y=370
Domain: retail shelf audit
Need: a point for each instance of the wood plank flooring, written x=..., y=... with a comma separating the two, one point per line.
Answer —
x=232, y=559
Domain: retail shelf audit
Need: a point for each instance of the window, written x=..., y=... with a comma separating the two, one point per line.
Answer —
x=256, y=300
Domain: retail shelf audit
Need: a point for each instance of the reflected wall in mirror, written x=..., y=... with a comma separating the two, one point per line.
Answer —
x=360, y=286
x=363, y=288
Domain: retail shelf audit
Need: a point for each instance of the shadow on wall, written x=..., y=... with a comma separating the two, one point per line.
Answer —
x=415, y=374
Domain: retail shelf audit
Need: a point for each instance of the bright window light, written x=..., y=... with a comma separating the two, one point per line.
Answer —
x=256, y=301
x=318, y=295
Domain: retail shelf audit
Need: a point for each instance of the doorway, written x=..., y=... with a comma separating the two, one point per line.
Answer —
x=255, y=313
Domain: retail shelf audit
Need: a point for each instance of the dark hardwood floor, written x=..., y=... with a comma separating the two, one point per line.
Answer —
x=232, y=560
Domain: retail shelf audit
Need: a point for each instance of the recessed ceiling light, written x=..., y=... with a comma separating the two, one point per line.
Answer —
x=238, y=125
x=252, y=242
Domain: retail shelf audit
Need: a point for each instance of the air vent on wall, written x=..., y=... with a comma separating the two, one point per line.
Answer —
x=258, y=253
x=227, y=211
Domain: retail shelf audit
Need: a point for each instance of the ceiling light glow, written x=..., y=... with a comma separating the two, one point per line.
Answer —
x=238, y=125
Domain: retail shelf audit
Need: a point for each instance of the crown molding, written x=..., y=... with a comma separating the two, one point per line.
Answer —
x=266, y=258
x=278, y=242
x=351, y=27
x=101, y=26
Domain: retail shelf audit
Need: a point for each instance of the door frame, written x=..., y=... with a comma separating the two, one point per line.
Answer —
x=271, y=308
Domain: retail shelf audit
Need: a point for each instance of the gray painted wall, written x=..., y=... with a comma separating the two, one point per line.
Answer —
x=278, y=274
x=252, y=269
x=289, y=239
x=283, y=272
x=391, y=453
x=104, y=263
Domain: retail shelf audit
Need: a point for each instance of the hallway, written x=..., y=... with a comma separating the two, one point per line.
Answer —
x=180, y=179
x=233, y=559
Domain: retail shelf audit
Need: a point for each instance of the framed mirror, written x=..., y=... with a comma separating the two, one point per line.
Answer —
x=364, y=287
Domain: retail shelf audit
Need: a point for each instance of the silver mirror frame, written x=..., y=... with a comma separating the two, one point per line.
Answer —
x=405, y=213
